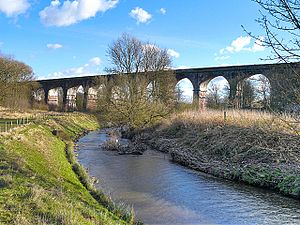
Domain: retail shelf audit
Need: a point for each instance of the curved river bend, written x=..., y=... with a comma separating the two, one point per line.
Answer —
x=165, y=193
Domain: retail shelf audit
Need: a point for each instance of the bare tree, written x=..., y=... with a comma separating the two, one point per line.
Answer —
x=247, y=94
x=262, y=91
x=280, y=21
x=213, y=97
x=217, y=96
x=155, y=58
x=16, y=84
x=125, y=55
x=130, y=55
x=142, y=89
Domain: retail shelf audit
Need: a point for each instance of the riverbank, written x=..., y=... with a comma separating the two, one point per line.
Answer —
x=41, y=183
x=254, y=148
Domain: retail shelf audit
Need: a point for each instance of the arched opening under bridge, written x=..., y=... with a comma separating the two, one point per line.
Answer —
x=184, y=91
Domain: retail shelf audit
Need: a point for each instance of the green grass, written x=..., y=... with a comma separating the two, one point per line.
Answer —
x=8, y=124
x=38, y=184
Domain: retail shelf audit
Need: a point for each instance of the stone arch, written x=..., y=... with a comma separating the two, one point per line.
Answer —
x=217, y=91
x=71, y=98
x=55, y=98
x=39, y=95
x=261, y=87
x=149, y=90
x=38, y=99
x=93, y=96
x=184, y=89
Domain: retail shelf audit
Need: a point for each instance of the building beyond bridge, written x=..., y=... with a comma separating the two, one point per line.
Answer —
x=199, y=77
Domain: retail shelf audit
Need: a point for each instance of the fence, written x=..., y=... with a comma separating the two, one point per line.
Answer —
x=7, y=124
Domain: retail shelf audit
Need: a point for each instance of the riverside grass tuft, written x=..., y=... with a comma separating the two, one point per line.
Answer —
x=38, y=184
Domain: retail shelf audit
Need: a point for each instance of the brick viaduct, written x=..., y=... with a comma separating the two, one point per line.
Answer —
x=199, y=78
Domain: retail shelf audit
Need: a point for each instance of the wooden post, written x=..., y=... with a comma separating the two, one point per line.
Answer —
x=5, y=126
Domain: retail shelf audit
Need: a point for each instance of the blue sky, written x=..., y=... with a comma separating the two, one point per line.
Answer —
x=70, y=38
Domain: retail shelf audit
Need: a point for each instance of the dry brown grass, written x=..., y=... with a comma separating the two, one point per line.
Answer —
x=257, y=148
x=240, y=118
x=7, y=113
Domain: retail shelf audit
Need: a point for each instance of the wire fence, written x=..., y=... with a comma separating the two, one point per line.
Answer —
x=7, y=125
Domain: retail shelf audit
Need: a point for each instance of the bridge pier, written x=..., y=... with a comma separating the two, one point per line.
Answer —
x=65, y=100
x=203, y=91
x=85, y=96
x=46, y=95
x=202, y=100
x=196, y=97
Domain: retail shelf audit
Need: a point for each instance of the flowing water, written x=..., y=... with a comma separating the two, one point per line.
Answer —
x=162, y=192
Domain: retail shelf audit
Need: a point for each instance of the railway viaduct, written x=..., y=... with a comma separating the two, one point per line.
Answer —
x=199, y=77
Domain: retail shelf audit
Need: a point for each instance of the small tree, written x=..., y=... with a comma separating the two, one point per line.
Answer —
x=142, y=90
x=262, y=91
x=247, y=94
x=214, y=96
x=217, y=96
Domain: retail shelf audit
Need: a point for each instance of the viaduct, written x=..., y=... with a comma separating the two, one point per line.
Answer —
x=199, y=77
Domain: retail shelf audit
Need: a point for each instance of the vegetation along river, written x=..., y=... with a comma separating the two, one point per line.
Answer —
x=162, y=192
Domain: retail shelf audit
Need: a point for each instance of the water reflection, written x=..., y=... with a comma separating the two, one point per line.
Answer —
x=164, y=193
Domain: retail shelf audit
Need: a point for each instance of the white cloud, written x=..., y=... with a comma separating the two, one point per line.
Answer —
x=173, y=53
x=54, y=46
x=88, y=69
x=239, y=44
x=14, y=7
x=140, y=15
x=96, y=61
x=258, y=45
x=163, y=11
x=70, y=12
x=182, y=67
x=222, y=57
x=243, y=43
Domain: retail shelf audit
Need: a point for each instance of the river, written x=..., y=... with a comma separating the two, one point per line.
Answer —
x=162, y=192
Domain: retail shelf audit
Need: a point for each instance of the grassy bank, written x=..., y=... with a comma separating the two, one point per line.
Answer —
x=255, y=148
x=38, y=184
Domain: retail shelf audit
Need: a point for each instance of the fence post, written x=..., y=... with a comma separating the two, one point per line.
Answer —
x=5, y=126
x=11, y=124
